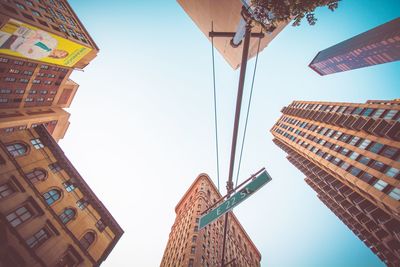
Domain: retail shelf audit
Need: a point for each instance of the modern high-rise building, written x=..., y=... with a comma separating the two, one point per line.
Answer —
x=350, y=155
x=41, y=43
x=376, y=46
x=49, y=216
x=188, y=246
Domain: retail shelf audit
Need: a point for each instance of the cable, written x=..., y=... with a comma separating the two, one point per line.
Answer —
x=248, y=111
x=215, y=103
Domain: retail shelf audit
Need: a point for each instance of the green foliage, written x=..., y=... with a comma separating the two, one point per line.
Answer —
x=286, y=10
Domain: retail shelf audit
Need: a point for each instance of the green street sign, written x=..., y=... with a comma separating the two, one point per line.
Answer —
x=236, y=199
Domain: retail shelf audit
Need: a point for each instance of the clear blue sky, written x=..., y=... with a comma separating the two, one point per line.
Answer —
x=142, y=126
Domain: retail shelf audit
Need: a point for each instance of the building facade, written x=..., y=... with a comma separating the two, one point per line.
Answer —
x=376, y=46
x=350, y=155
x=189, y=246
x=49, y=216
x=32, y=80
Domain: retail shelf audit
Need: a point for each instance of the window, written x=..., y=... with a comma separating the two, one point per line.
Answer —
x=52, y=196
x=100, y=225
x=357, y=111
x=380, y=185
x=3, y=100
x=54, y=167
x=191, y=263
x=354, y=140
x=17, y=149
x=366, y=177
x=354, y=155
x=375, y=147
x=6, y=190
x=389, y=152
x=196, y=228
x=70, y=258
x=37, y=143
x=37, y=14
x=367, y=112
x=20, y=6
x=392, y=172
x=345, y=137
x=378, y=113
x=14, y=71
x=36, y=175
x=194, y=238
x=345, y=165
x=395, y=193
x=19, y=216
x=337, y=135
x=377, y=165
x=344, y=151
x=364, y=160
x=87, y=239
x=67, y=215
x=38, y=238
x=391, y=113
x=193, y=250
x=354, y=171
x=5, y=91
x=336, y=161
x=82, y=203
x=69, y=186
x=364, y=144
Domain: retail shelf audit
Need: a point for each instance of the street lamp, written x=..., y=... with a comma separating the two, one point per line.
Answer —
x=251, y=12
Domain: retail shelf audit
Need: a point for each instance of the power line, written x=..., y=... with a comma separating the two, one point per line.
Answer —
x=215, y=103
x=248, y=111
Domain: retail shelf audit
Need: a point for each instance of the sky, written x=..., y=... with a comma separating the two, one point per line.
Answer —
x=142, y=126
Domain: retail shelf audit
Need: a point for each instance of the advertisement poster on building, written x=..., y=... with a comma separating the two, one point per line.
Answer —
x=23, y=40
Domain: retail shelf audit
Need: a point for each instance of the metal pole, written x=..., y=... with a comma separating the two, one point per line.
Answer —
x=245, y=55
x=229, y=185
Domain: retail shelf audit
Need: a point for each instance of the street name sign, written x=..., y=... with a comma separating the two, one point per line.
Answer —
x=236, y=199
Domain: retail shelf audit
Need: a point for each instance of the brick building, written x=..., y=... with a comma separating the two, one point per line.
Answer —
x=189, y=246
x=376, y=46
x=350, y=155
x=33, y=86
x=49, y=216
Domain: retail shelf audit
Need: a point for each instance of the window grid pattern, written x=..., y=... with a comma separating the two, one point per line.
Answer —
x=284, y=128
x=52, y=196
x=17, y=149
x=87, y=239
x=38, y=238
x=6, y=190
x=19, y=216
x=67, y=215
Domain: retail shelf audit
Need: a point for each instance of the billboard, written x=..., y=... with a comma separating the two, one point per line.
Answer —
x=23, y=40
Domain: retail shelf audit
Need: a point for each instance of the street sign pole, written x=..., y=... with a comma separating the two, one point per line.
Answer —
x=242, y=76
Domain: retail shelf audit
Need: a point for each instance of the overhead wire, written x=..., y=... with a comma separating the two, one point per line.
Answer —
x=215, y=103
x=248, y=111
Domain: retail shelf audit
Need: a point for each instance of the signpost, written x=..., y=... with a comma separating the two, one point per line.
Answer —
x=236, y=199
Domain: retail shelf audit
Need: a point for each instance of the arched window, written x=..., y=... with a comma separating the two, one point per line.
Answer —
x=17, y=149
x=67, y=215
x=37, y=175
x=87, y=239
x=52, y=196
